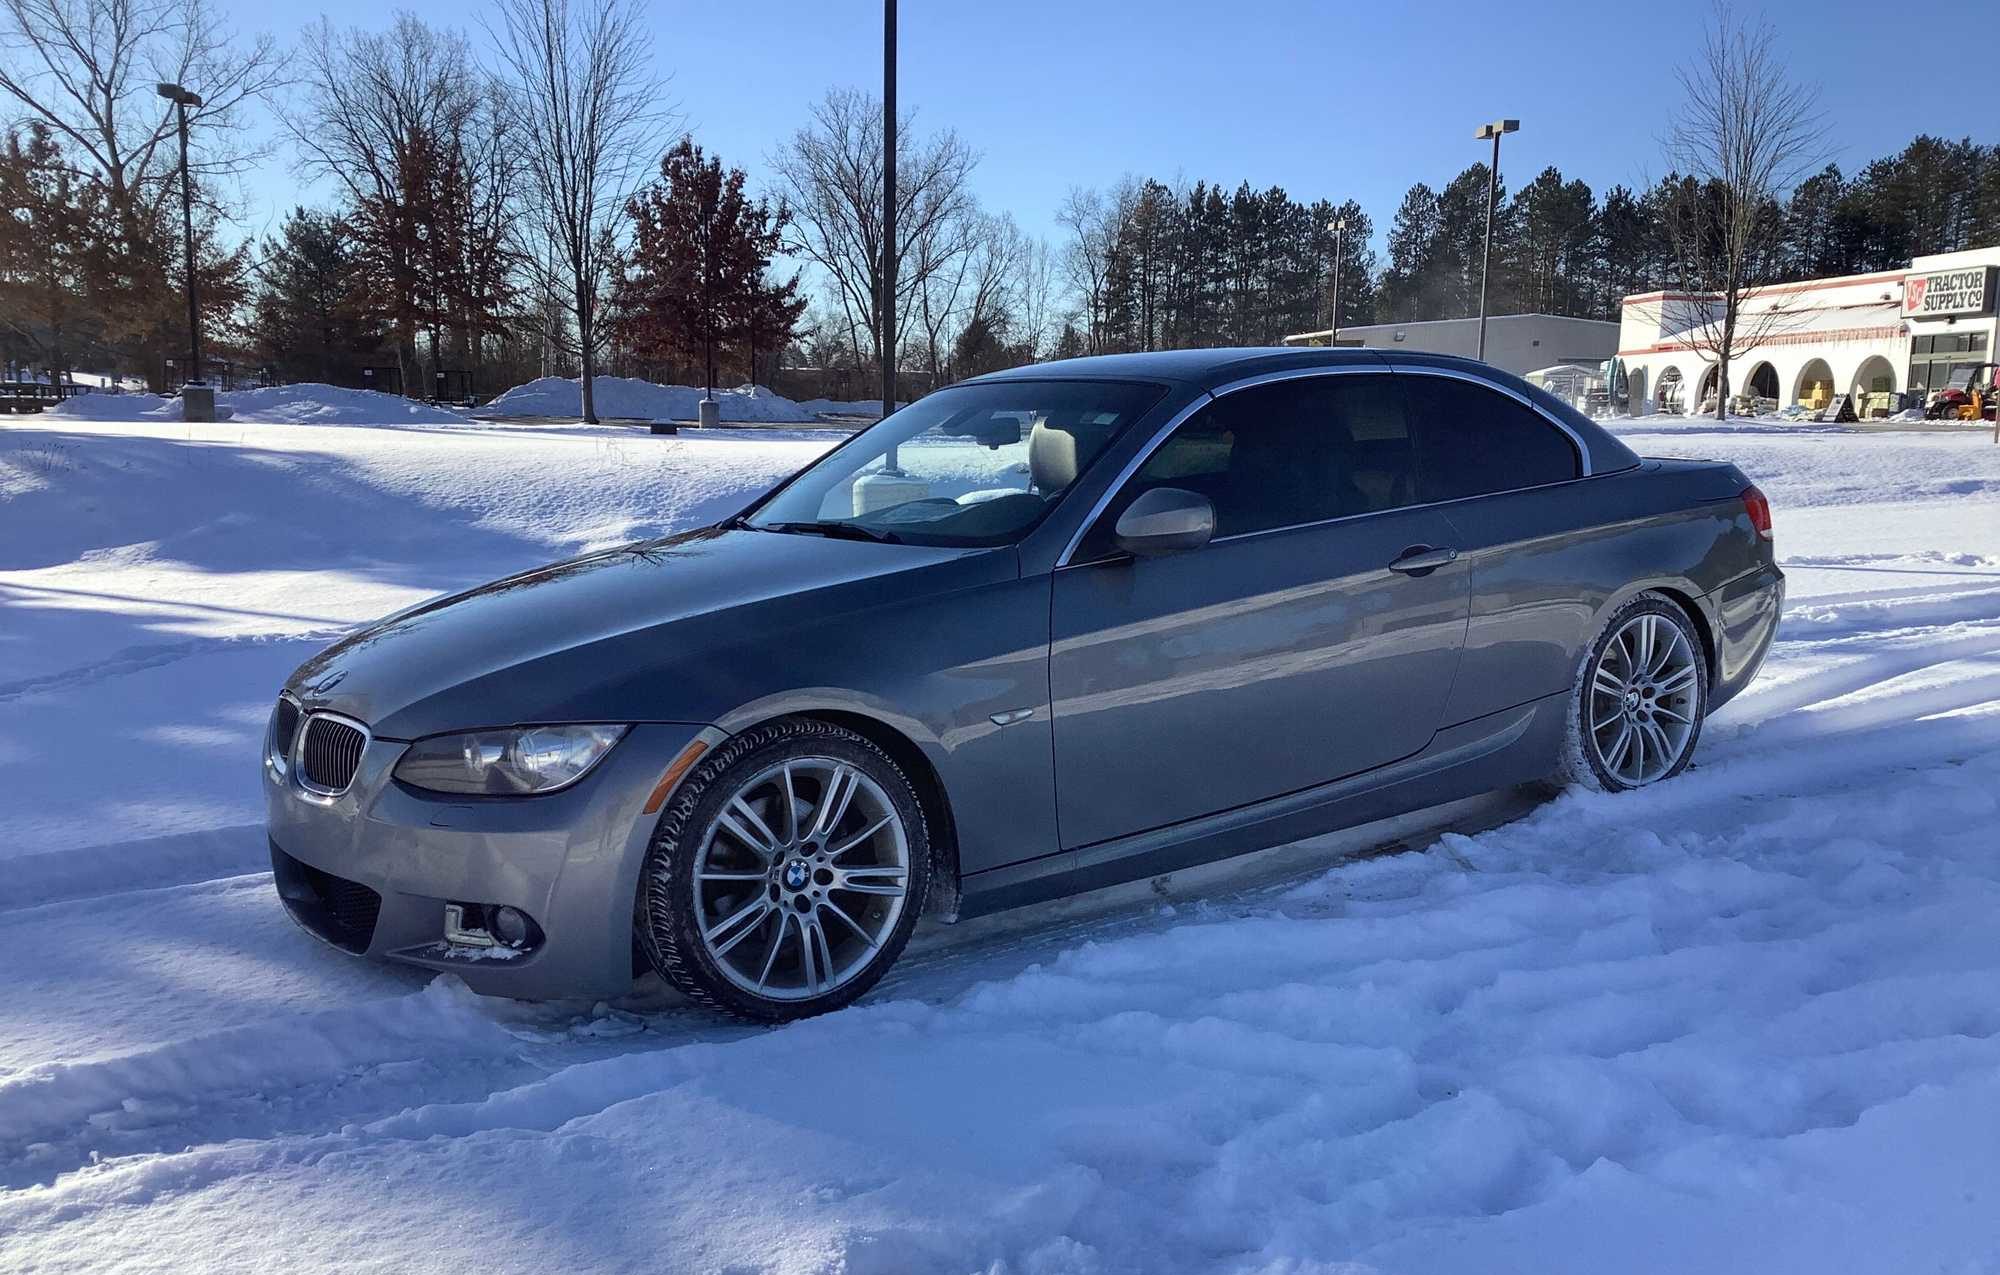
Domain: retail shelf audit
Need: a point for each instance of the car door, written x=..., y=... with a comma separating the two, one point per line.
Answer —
x=1504, y=473
x=1289, y=651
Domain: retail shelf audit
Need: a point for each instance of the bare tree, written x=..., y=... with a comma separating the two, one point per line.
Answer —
x=1744, y=136
x=86, y=69
x=591, y=122
x=1096, y=224
x=832, y=173
x=943, y=259
x=971, y=268
x=1034, y=288
x=377, y=111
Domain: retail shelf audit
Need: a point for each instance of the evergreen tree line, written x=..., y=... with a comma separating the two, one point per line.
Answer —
x=449, y=244
x=1153, y=266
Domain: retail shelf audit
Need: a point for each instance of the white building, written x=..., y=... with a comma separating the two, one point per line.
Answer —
x=1518, y=343
x=1874, y=336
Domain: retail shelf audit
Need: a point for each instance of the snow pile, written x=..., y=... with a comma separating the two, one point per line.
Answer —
x=1743, y=1021
x=624, y=397
x=306, y=404
x=864, y=409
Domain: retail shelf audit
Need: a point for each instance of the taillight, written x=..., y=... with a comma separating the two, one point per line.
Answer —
x=1759, y=510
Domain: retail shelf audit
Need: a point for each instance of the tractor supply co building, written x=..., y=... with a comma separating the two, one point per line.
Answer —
x=1875, y=336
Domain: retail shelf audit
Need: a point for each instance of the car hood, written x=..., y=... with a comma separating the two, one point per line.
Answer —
x=571, y=641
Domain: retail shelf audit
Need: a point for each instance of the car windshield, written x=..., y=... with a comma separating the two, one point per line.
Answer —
x=968, y=465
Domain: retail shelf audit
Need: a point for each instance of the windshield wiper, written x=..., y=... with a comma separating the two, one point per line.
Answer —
x=833, y=529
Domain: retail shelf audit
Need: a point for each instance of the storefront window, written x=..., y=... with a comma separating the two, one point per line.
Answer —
x=1933, y=359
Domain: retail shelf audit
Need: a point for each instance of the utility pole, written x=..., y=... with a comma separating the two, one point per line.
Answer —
x=1339, y=227
x=1494, y=130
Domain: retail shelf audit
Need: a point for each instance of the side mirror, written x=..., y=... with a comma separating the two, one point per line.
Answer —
x=1165, y=520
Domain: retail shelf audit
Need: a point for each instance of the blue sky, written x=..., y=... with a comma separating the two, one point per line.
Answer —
x=1323, y=98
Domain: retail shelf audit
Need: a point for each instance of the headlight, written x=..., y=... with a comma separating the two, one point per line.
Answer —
x=507, y=763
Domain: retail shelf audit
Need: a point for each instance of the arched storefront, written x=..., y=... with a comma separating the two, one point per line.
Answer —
x=1704, y=399
x=1889, y=338
x=1762, y=382
x=1876, y=375
x=1815, y=385
x=1667, y=397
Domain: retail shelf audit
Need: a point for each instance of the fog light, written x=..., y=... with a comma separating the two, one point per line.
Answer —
x=510, y=926
x=462, y=925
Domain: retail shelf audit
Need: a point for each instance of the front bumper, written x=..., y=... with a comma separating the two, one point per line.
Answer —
x=570, y=860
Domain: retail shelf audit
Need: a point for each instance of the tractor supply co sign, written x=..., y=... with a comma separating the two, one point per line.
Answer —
x=1949, y=292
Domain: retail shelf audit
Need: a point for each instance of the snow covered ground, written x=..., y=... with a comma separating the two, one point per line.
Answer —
x=1745, y=1021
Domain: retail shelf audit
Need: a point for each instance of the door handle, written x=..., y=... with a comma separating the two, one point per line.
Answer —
x=1421, y=560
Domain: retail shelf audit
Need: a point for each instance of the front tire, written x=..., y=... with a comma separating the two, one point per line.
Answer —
x=1641, y=695
x=788, y=873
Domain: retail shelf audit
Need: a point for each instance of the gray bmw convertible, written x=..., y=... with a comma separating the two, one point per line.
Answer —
x=1039, y=632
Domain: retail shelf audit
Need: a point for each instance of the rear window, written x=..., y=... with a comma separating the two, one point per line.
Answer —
x=1472, y=440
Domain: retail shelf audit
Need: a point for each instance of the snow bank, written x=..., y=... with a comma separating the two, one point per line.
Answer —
x=865, y=408
x=634, y=399
x=629, y=397
x=307, y=404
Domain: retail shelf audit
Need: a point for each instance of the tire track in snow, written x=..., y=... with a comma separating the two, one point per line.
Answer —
x=141, y=659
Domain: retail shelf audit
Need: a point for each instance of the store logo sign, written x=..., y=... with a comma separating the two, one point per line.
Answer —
x=1949, y=292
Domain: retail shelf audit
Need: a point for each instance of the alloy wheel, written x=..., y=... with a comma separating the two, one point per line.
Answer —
x=801, y=878
x=1643, y=705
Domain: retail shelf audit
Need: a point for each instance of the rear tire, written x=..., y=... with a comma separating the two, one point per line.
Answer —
x=788, y=873
x=1641, y=694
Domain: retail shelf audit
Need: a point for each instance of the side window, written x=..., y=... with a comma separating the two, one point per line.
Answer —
x=1281, y=455
x=1472, y=440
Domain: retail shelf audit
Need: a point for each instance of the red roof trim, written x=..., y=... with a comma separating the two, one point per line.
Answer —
x=1784, y=338
x=1782, y=289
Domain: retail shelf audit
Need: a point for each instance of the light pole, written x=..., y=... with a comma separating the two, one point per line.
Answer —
x=1339, y=227
x=1494, y=131
x=182, y=99
x=889, y=211
x=889, y=485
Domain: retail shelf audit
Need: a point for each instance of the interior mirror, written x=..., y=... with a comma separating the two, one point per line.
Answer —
x=997, y=431
x=1165, y=520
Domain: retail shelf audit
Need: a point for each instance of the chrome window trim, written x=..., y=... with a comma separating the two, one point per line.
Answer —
x=1131, y=467
x=298, y=750
x=1396, y=509
x=1065, y=559
x=1301, y=373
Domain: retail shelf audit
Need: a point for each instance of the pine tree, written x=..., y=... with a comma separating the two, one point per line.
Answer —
x=1408, y=289
x=1626, y=252
x=1546, y=262
x=50, y=253
x=310, y=320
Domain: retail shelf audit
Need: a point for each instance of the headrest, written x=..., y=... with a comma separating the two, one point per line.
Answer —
x=1051, y=458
